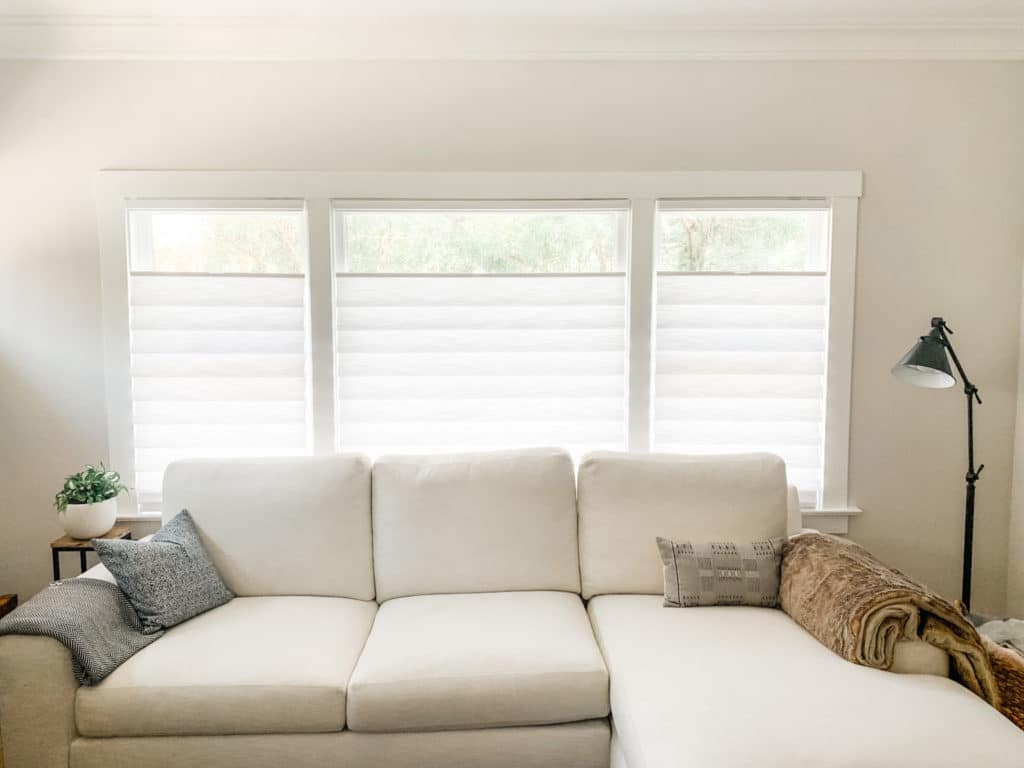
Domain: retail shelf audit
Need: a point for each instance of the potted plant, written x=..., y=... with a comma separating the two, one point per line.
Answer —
x=87, y=504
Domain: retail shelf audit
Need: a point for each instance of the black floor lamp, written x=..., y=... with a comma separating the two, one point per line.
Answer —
x=926, y=365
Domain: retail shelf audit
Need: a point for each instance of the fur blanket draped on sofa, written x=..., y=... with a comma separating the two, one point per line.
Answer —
x=860, y=608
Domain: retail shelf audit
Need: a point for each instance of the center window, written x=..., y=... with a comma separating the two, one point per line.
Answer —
x=477, y=326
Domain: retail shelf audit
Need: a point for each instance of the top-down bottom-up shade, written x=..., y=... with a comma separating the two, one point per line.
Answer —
x=467, y=362
x=218, y=367
x=740, y=366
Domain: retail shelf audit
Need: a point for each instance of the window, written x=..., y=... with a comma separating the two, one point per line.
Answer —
x=463, y=328
x=279, y=313
x=742, y=310
x=218, y=336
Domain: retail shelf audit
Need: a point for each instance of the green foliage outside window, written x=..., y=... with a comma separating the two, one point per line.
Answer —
x=484, y=242
x=476, y=242
x=698, y=241
x=242, y=242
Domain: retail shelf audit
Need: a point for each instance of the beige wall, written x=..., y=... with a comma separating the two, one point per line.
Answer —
x=940, y=230
x=1015, y=579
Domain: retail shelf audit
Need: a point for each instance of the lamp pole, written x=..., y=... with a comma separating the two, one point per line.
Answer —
x=944, y=332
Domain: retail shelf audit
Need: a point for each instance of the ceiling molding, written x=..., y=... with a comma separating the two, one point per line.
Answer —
x=510, y=38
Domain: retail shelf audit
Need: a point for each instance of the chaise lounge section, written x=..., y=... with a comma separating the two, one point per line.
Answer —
x=470, y=610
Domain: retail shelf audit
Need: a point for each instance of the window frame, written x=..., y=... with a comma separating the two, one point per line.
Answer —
x=820, y=205
x=118, y=191
x=121, y=444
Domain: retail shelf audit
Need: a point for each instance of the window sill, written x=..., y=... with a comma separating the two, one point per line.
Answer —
x=830, y=520
x=139, y=517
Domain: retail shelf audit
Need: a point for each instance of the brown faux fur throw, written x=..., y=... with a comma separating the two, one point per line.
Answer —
x=860, y=608
x=1009, y=670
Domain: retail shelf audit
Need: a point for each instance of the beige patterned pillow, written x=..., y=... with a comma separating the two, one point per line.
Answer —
x=721, y=573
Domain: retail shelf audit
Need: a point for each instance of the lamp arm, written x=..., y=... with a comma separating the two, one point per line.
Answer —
x=945, y=332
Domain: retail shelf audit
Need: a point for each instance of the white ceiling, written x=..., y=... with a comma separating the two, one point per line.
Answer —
x=738, y=10
x=512, y=29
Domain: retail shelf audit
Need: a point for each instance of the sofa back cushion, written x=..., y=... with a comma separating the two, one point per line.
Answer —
x=795, y=518
x=627, y=501
x=281, y=526
x=481, y=522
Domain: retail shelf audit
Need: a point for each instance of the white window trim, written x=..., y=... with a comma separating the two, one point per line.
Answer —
x=117, y=191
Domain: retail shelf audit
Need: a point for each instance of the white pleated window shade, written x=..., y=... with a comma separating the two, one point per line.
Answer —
x=740, y=343
x=218, y=337
x=469, y=329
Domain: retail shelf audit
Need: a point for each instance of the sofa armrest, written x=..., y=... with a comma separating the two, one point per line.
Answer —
x=37, y=697
x=37, y=702
x=916, y=657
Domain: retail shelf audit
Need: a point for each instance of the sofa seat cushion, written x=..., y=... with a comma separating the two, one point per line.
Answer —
x=482, y=660
x=737, y=686
x=255, y=665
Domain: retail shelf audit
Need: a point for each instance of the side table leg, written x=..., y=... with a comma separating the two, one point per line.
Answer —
x=56, y=565
x=81, y=556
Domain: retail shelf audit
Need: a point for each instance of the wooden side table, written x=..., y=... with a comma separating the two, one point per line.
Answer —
x=7, y=604
x=81, y=546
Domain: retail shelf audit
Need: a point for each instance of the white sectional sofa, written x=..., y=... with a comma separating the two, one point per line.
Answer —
x=468, y=611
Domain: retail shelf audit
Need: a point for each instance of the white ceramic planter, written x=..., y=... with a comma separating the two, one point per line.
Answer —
x=86, y=521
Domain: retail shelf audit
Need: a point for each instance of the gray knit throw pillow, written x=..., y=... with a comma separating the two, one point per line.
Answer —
x=721, y=573
x=168, y=579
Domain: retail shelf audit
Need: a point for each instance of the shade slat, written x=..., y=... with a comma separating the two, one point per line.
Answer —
x=178, y=318
x=494, y=409
x=469, y=317
x=217, y=291
x=228, y=342
x=465, y=341
x=355, y=387
x=170, y=388
x=485, y=291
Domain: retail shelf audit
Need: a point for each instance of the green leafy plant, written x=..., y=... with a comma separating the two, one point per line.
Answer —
x=91, y=485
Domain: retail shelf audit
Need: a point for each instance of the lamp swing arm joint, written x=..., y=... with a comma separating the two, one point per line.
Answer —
x=944, y=333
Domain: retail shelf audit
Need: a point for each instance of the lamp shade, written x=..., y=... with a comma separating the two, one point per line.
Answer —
x=926, y=364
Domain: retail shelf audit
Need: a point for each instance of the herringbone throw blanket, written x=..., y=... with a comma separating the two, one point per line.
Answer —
x=860, y=608
x=90, y=617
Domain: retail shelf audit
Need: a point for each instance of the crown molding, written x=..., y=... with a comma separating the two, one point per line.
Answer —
x=496, y=38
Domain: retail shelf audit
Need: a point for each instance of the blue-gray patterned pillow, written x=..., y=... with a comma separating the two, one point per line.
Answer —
x=168, y=579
